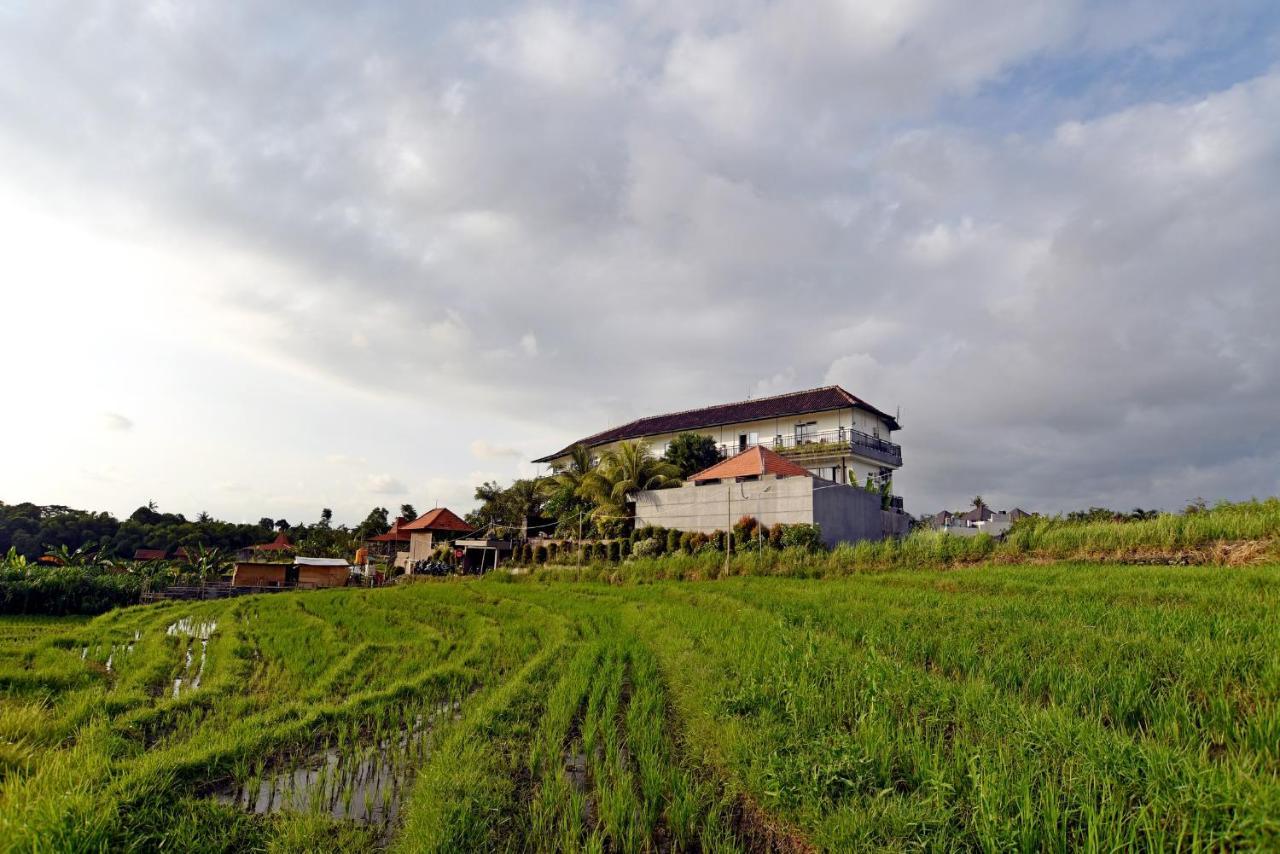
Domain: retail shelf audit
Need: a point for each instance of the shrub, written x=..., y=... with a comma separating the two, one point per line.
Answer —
x=615, y=551
x=644, y=533
x=673, y=541
x=718, y=541
x=540, y=554
x=63, y=590
x=646, y=548
x=686, y=542
x=745, y=529
x=599, y=551
x=803, y=535
x=775, y=535
x=553, y=551
x=624, y=548
x=698, y=542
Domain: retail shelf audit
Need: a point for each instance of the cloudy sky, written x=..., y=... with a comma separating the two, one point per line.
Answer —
x=260, y=259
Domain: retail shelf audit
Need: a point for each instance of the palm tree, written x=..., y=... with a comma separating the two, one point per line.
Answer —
x=626, y=469
x=566, y=497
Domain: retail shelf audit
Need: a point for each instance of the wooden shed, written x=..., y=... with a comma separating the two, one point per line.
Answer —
x=252, y=574
x=303, y=572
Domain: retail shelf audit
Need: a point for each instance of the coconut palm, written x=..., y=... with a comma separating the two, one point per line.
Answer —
x=625, y=469
x=566, y=497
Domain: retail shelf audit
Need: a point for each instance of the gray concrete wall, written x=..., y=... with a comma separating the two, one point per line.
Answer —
x=845, y=513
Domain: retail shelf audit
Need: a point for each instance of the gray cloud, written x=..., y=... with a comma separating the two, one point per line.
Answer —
x=385, y=484
x=116, y=422
x=566, y=216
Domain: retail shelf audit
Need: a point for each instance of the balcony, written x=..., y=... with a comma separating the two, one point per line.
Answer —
x=829, y=443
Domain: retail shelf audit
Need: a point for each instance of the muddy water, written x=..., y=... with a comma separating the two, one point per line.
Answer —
x=202, y=632
x=362, y=782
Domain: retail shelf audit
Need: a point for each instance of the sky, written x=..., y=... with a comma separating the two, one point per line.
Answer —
x=264, y=258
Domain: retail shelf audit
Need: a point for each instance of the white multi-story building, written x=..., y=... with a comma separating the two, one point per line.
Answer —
x=832, y=433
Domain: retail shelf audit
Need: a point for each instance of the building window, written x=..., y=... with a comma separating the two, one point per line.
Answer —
x=805, y=431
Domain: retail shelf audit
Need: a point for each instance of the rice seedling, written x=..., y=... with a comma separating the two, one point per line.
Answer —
x=1051, y=707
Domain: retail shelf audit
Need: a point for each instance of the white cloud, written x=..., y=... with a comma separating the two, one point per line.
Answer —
x=529, y=344
x=116, y=422
x=385, y=484
x=688, y=201
x=482, y=450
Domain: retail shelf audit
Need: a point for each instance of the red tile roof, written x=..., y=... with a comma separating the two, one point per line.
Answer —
x=762, y=408
x=397, y=534
x=440, y=519
x=754, y=461
x=279, y=544
x=150, y=554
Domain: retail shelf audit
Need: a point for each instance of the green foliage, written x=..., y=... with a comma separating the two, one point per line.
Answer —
x=375, y=524
x=802, y=536
x=64, y=590
x=625, y=469
x=614, y=552
x=646, y=548
x=690, y=453
x=540, y=553
x=673, y=541
x=507, y=511
x=1053, y=707
x=686, y=542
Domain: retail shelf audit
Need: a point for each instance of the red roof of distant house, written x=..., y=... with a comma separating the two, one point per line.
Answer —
x=150, y=554
x=760, y=409
x=754, y=461
x=279, y=544
x=440, y=519
x=180, y=553
x=397, y=534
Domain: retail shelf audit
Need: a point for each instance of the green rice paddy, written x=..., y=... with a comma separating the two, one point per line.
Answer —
x=1037, y=708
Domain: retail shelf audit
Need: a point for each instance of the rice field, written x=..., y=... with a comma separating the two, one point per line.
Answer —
x=1057, y=707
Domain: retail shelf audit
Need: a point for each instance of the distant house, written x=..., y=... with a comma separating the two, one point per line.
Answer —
x=981, y=519
x=303, y=572
x=430, y=529
x=144, y=555
x=279, y=546
x=830, y=432
x=393, y=546
x=761, y=483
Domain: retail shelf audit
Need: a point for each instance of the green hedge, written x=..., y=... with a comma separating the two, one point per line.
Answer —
x=64, y=590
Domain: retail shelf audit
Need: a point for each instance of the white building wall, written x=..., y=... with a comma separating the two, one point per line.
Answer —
x=855, y=469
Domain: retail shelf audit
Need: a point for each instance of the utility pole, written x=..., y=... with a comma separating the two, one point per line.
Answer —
x=579, y=538
x=728, y=534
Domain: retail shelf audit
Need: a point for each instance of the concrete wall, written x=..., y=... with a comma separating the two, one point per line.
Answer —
x=845, y=514
x=421, y=544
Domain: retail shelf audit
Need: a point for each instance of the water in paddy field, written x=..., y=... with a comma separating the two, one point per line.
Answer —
x=362, y=782
x=201, y=631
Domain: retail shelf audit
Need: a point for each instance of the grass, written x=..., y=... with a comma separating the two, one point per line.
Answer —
x=1054, y=707
x=1227, y=534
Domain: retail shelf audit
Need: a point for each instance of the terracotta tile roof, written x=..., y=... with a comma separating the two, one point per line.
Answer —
x=150, y=554
x=756, y=460
x=440, y=519
x=279, y=544
x=762, y=408
x=397, y=534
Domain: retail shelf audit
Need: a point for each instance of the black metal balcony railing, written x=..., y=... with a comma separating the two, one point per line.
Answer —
x=828, y=443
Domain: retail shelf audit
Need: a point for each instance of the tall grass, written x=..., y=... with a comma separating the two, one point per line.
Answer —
x=1207, y=536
